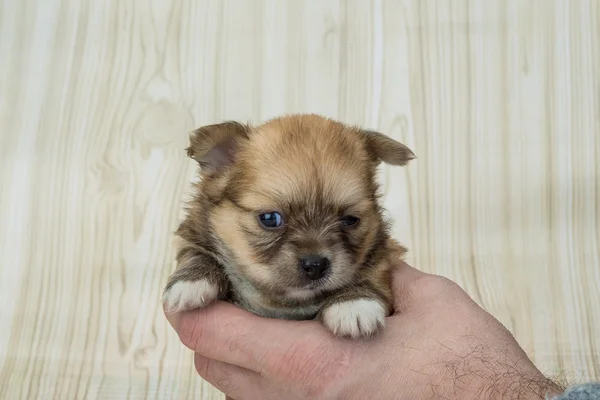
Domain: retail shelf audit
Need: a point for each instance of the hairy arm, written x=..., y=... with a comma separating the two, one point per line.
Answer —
x=438, y=344
x=483, y=372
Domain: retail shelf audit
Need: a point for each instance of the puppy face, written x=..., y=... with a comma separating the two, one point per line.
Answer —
x=295, y=200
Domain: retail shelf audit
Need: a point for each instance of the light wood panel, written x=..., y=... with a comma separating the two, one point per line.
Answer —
x=499, y=99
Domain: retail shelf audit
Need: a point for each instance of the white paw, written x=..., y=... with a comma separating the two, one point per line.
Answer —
x=188, y=295
x=355, y=318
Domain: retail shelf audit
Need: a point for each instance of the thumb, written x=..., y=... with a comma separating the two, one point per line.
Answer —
x=226, y=333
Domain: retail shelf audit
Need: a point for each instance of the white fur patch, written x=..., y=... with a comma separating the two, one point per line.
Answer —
x=355, y=318
x=301, y=294
x=188, y=295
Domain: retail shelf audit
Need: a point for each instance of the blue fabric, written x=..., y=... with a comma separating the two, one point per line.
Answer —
x=589, y=391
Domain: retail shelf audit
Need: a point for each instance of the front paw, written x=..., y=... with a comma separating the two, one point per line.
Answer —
x=355, y=318
x=188, y=295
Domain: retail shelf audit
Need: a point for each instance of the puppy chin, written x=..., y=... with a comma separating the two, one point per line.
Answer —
x=301, y=294
x=316, y=288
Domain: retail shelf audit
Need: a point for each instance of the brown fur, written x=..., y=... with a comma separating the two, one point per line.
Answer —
x=313, y=171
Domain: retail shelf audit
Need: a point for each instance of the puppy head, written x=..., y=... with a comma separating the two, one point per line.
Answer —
x=294, y=200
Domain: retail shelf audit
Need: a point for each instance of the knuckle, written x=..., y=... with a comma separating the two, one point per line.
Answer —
x=288, y=365
x=312, y=367
x=202, y=366
x=216, y=374
x=225, y=383
x=192, y=331
x=434, y=286
x=324, y=370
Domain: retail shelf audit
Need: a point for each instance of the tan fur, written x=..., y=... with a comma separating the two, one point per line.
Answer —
x=313, y=171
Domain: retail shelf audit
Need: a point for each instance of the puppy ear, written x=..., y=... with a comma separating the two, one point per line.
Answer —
x=386, y=149
x=214, y=146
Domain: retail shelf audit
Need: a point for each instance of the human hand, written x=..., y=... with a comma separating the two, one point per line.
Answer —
x=438, y=344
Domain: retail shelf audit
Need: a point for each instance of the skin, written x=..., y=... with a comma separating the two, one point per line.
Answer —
x=438, y=344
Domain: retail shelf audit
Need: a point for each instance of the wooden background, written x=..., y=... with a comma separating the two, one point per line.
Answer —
x=500, y=100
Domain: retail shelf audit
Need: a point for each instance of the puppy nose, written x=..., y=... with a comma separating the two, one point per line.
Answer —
x=314, y=266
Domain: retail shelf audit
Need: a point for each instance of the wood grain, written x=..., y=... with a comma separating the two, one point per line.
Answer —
x=499, y=99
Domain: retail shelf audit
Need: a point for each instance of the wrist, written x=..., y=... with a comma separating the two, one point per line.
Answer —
x=476, y=377
x=519, y=386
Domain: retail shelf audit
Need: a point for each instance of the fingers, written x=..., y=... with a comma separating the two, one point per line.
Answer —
x=404, y=277
x=229, y=334
x=236, y=382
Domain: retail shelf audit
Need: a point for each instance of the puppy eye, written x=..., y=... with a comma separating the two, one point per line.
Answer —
x=349, y=220
x=270, y=220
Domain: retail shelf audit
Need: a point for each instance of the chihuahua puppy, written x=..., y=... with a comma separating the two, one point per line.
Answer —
x=285, y=223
